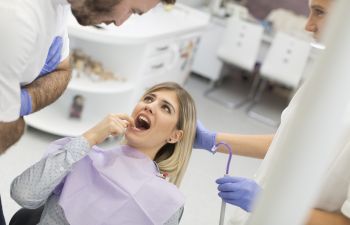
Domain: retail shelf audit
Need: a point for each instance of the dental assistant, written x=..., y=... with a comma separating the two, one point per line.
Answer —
x=34, y=50
x=333, y=203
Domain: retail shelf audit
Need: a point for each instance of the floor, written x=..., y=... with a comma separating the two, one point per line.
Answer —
x=202, y=203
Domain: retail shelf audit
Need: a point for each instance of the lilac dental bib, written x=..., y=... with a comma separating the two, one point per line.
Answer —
x=118, y=187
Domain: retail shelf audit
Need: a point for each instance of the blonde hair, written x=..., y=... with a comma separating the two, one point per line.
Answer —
x=173, y=158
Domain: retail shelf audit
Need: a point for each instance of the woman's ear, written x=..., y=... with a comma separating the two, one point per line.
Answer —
x=175, y=136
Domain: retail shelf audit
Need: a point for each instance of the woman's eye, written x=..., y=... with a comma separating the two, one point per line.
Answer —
x=166, y=108
x=148, y=99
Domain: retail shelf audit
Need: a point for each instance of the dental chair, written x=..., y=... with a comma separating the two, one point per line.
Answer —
x=27, y=216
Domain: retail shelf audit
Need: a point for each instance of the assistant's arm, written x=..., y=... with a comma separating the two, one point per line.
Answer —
x=319, y=217
x=246, y=145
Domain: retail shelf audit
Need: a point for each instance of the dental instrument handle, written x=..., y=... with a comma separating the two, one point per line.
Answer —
x=223, y=204
x=222, y=213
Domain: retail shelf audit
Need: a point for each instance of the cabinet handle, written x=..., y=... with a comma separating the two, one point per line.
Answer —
x=160, y=65
x=98, y=27
x=162, y=48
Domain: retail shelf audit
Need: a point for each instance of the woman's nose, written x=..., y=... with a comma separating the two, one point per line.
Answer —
x=149, y=108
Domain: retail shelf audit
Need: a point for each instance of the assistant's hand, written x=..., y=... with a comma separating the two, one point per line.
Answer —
x=205, y=139
x=26, y=103
x=238, y=191
x=113, y=124
x=53, y=57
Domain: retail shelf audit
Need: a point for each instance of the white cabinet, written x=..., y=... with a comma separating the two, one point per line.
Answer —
x=146, y=50
x=206, y=62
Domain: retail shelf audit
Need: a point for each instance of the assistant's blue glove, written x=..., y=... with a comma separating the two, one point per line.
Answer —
x=205, y=139
x=53, y=57
x=26, y=103
x=238, y=191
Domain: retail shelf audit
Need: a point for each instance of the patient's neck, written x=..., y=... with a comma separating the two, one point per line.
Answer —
x=150, y=152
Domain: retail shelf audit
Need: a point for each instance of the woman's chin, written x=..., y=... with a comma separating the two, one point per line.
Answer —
x=132, y=139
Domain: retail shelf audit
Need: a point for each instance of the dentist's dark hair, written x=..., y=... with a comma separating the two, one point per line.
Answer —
x=106, y=5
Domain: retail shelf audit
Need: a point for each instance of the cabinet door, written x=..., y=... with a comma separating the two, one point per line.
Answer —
x=206, y=62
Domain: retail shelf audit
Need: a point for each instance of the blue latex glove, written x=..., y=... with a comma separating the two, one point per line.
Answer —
x=238, y=191
x=205, y=139
x=53, y=57
x=26, y=103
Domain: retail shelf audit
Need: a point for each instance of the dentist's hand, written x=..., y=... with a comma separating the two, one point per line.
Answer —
x=205, y=139
x=113, y=124
x=26, y=103
x=238, y=191
x=53, y=57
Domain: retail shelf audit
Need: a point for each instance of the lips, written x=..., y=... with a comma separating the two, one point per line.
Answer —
x=142, y=122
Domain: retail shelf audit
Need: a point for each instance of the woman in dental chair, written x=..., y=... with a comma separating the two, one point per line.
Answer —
x=79, y=183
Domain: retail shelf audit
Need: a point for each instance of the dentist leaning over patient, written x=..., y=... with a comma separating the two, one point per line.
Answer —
x=34, y=53
x=333, y=204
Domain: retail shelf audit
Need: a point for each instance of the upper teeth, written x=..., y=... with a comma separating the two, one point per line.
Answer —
x=144, y=119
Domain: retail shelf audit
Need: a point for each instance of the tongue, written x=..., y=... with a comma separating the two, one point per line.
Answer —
x=142, y=125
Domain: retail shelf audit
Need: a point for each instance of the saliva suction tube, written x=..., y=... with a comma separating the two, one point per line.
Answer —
x=213, y=150
x=228, y=147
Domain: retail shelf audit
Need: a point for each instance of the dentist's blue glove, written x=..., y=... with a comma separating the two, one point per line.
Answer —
x=205, y=139
x=238, y=191
x=26, y=103
x=53, y=57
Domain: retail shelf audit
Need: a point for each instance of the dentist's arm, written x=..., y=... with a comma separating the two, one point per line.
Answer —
x=50, y=87
x=52, y=62
x=34, y=97
x=10, y=133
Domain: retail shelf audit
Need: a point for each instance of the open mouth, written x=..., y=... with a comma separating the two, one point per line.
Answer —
x=142, y=123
